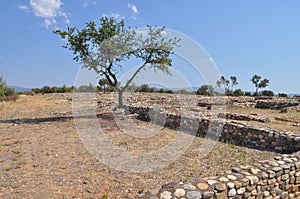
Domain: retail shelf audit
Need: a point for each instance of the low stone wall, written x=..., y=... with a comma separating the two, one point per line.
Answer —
x=278, y=105
x=278, y=178
x=239, y=134
x=235, y=116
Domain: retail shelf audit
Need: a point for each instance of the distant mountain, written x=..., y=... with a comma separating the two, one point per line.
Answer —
x=19, y=89
x=294, y=94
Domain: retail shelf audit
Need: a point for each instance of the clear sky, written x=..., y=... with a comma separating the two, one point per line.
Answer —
x=243, y=37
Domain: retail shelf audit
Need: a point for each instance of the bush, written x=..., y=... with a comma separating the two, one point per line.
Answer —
x=238, y=92
x=12, y=98
x=282, y=95
x=207, y=90
x=4, y=90
x=267, y=93
x=247, y=94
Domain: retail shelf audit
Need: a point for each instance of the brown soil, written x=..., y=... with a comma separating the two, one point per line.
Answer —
x=42, y=155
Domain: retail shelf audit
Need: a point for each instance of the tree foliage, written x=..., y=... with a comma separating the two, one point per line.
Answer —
x=225, y=84
x=238, y=92
x=207, y=90
x=104, y=49
x=267, y=93
x=259, y=83
x=4, y=90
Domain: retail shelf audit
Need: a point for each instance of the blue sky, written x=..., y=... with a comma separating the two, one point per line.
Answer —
x=243, y=37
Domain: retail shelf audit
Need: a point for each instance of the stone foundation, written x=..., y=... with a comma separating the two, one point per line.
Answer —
x=277, y=178
x=239, y=134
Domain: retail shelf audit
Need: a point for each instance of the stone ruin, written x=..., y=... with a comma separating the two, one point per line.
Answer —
x=276, y=178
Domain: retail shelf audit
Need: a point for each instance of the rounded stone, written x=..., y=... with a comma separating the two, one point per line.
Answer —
x=220, y=187
x=211, y=182
x=231, y=192
x=230, y=185
x=231, y=177
x=194, y=195
x=223, y=179
x=189, y=187
x=166, y=195
x=179, y=193
x=202, y=186
x=207, y=194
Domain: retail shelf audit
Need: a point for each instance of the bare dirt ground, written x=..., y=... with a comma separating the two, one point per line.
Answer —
x=42, y=155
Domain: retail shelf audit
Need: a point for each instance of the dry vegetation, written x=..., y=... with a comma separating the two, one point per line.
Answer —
x=42, y=155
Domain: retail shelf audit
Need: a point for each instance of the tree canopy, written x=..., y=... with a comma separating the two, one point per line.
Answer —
x=259, y=83
x=104, y=49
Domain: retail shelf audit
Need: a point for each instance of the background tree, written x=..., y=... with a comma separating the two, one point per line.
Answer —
x=223, y=83
x=207, y=90
x=4, y=90
x=104, y=49
x=267, y=93
x=238, y=92
x=282, y=95
x=104, y=85
x=234, y=82
x=259, y=83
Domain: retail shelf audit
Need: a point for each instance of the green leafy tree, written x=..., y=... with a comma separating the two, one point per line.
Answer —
x=234, y=82
x=46, y=89
x=282, y=95
x=223, y=83
x=207, y=90
x=104, y=85
x=238, y=92
x=259, y=83
x=268, y=93
x=104, y=49
x=4, y=90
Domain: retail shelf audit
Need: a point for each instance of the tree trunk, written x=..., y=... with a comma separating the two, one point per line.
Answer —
x=256, y=92
x=120, y=98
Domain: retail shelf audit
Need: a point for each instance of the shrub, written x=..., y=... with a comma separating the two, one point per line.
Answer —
x=12, y=98
x=282, y=95
x=268, y=93
x=247, y=94
x=238, y=92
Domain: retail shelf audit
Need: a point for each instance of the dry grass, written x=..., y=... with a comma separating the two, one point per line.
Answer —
x=42, y=155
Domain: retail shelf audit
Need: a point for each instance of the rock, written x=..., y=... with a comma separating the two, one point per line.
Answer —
x=230, y=185
x=231, y=192
x=211, y=182
x=179, y=193
x=223, y=179
x=236, y=170
x=166, y=195
x=202, y=186
x=194, y=195
x=220, y=187
x=241, y=190
x=189, y=187
x=253, y=179
x=231, y=177
x=207, y=194
x=254, y=170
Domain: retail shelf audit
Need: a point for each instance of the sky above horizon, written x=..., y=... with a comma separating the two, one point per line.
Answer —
x=243, y=38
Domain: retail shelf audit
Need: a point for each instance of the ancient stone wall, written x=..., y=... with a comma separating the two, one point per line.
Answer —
x=239, y=134
x=277, y=178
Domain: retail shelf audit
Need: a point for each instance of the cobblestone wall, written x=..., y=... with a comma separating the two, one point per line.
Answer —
x=239, y=134
x=278, y=178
